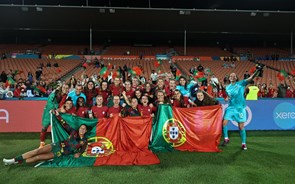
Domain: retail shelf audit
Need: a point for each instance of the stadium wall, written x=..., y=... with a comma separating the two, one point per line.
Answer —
x=264, y=114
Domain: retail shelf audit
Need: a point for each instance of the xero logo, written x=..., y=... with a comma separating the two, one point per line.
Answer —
x=284, y=115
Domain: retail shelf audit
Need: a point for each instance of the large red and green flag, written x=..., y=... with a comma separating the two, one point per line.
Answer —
x=112, y=141
x=187, y=129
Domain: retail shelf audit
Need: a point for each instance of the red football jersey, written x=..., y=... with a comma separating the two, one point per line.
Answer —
x=100, y=112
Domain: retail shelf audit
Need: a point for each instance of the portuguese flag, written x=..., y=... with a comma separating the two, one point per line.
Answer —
x=187, y=129
x=112, y=141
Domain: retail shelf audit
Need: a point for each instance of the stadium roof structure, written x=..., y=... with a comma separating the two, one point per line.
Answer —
x=60, y=20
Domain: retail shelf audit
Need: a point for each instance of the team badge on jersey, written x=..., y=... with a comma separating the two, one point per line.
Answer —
x=174, y=132
x=99, y=147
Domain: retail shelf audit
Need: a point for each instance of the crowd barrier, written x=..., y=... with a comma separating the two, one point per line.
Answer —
x=264, y=114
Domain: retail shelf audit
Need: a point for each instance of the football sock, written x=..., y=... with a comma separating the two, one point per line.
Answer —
x=42, y=136
x=243, y=136
x=19, y=159
x=225, y=132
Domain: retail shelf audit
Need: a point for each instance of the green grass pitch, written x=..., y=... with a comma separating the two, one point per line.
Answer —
x=270, y=158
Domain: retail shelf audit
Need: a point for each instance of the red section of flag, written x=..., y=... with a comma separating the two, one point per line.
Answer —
x=130, y=137
x=280, y=77
x=252, y=70
x=203, y=126
x=137, y=70
x=156, y=64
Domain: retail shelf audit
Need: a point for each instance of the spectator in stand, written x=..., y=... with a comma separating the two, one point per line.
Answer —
x=204, y=99
x=17, y=90
x=38, y=73
x=3, y=56
x=263, y=90
x=29, y=89
x=225, y=65
x=178, y=100
x=96, y=62
x=41, y=65
x=101, y=64
x=84, y=79
x=232, y=65
x=81, y=108
x=48, y=65
x=73, y=81
x=3, y=90
x=154, y=77
x=260, y=91
x=192, y=70
x=200, y=68
x=282, y=88
x=142, y=79
x=30, y=77
x=116, y=108
x=289, y=92
x=75, y=94
x=3, y=77
x=99, y=110
x=173, y=69
x=91, y=92
x=271, y=91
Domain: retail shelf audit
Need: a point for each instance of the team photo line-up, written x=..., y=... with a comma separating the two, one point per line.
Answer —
x=130, y=98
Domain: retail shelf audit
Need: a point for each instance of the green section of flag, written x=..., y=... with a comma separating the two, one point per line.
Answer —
x=10, y=81
x=158, y=143
x=60, y=134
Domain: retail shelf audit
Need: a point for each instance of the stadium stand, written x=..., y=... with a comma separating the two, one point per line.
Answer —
x=136, y=50
x=203, y=51
x=31, y=65
x=69, y=49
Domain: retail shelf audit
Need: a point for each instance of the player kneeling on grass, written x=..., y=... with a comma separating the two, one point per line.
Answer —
x=75, y=144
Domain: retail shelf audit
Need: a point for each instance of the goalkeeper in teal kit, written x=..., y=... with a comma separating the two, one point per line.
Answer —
x=236, y=110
